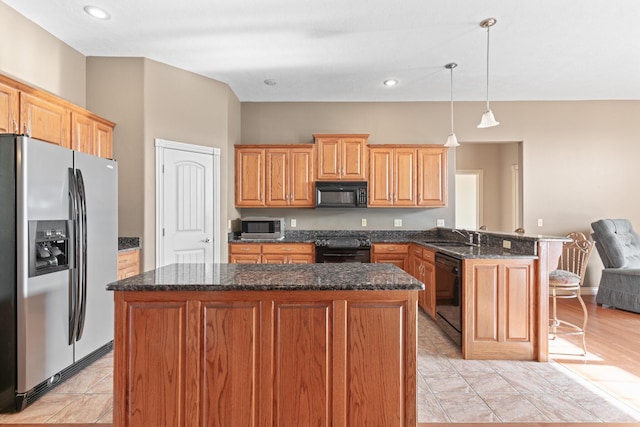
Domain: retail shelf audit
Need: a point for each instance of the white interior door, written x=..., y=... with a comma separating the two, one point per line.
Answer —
x=468, y=199
x=187, y=227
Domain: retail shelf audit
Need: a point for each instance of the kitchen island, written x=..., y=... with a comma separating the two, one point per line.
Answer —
x=225, y=344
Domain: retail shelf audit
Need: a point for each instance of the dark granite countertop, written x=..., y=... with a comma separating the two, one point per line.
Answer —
x=522, y=246
x=128, y=243
x=476, y=252
x=267, y=277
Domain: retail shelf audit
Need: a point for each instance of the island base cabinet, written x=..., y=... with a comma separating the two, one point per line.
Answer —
x=499, y=318
x=271, y=358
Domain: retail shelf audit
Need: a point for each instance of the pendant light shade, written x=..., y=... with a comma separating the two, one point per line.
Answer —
x=488, y=120
x=452, y=141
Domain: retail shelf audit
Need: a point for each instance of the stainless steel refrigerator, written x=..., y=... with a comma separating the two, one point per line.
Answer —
x=58, y=250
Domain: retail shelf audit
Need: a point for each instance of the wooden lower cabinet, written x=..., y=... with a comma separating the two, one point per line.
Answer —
x=128, y=263
x=423, y=269
x=499, y=309
x=271, y=253
x=251, y=358
x=391, y=253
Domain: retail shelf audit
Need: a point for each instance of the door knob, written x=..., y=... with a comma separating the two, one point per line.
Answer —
x=207, y=240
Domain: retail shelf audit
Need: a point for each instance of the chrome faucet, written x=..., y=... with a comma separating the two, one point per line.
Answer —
x=473, y=236
x=464, y=233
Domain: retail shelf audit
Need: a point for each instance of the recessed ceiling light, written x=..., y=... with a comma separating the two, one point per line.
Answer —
x=390, y=82
x=270, y=82
x=97, y=12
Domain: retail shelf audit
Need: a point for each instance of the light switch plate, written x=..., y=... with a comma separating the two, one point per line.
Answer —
x=397, y=223
x=539, y=222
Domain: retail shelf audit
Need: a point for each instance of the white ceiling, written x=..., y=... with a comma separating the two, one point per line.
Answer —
x=342, y=50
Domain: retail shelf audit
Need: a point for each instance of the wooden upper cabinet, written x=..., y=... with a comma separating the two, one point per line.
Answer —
x=82, y=133
x=45, y=120
x=393, y=176
x=341, y=157
x=249, y=188
x=432, y=177
x=289, y=176
x=103, y=140
x=407, y=176
x=43, y=116
x=381, y=176
x=91, y=136
x=9, y=109
x=275, y=176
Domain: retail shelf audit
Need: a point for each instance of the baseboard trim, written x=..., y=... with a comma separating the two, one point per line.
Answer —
x=588, y=290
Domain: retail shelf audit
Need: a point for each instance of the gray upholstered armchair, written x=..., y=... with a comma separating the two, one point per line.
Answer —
x=619, y=248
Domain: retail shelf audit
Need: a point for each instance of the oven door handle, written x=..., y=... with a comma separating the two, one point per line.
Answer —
x=341, y=255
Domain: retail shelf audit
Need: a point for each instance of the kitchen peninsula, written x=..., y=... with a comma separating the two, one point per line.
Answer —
x=501, y=298
x=225, y=344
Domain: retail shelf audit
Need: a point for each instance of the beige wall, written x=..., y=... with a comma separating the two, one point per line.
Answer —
x=115, y=89
x=579, y=158
x=30, y=54
x=185, y=107
x=495, y=161
x=150, y=100
x=387, y=123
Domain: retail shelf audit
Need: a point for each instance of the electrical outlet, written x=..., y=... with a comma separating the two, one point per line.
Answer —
x=539, y=222
x=439, y=222
x=397, y=223
x=363, y=221
x=506, y=244
x=229, y=225
x=294, y=223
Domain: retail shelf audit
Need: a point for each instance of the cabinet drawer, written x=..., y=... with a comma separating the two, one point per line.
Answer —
x=125, y=272
x=428, y=255
x=287, y=248
x=390, y=248
x=244, y=248
x=128, y=259
x=416, y=251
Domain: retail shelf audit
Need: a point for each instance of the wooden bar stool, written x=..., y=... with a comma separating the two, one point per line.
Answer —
x=566, y=281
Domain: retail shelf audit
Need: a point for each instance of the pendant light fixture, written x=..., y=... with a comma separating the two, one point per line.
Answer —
x=488, y=120
x=452, y=141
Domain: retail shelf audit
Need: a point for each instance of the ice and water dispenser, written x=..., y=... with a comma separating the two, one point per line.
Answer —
x=49, y=246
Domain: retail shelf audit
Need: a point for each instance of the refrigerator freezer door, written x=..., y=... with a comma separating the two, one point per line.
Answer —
x=43, y=301
x=100, y=181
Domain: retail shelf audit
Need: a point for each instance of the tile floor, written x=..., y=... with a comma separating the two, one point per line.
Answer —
x=450, y=389
x=84, y=398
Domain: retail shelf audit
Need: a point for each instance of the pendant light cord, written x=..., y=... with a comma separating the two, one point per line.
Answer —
x=488, y=68
x=451, y=69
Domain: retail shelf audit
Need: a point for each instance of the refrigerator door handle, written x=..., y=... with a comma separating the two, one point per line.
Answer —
x=83, y=251
x=74, y=276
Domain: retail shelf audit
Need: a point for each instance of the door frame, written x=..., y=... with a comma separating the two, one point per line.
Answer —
x=162, y=145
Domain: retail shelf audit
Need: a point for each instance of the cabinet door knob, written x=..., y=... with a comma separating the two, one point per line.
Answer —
x=16, y=128
x=207, y=240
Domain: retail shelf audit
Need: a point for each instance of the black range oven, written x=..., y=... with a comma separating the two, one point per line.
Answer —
x=343, y=249
x=449, y=295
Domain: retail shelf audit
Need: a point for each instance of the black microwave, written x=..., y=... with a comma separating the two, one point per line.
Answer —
x=261, y=228
x=341, y=194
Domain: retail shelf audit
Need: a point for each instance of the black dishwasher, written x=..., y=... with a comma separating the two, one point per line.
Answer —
x=449, y=295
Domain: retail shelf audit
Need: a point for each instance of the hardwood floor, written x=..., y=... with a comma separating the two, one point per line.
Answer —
x=613, y=346
x=612, y=365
